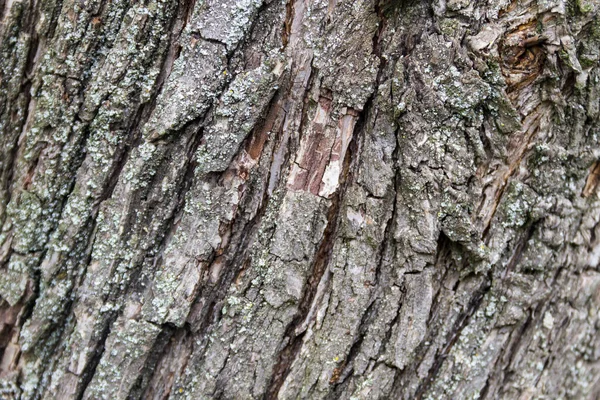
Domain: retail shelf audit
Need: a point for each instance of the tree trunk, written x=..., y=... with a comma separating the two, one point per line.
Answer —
x=341, y=199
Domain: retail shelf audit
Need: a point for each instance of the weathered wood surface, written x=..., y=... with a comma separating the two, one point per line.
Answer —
x=355, y=199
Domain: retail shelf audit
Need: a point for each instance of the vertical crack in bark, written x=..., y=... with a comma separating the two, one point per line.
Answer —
x=242, y=229
x=512, y=350
x=498, y=370
x=461, y=322
x=443, y=256
x=346, y=367
x=169, y=225
x=522, y=62
x=508, y=350
x=33, y=43
x=178, y=24
x=322, y=258
x=531, y=121
x=373, y=307
x=180, y=345
x=321, y=261
x=186, y=181
x=525, y=59
x=287, y=24
x=155, y=354
x=520, y=248
x=380, y=10
x=86, y=236
x=119, y=161
x=90, y=368
x=443, y=253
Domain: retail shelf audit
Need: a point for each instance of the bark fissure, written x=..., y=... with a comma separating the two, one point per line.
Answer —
x=322, y=257
x=461, y=322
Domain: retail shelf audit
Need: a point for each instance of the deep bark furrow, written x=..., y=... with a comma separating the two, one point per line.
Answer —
x=321, y=262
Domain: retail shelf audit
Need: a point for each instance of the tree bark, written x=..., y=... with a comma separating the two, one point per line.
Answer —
x=341, y=199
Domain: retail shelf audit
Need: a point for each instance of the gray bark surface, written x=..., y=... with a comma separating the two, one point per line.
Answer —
x=341, y=199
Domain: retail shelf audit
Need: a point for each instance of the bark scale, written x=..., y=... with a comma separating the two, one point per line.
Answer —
x=304, y=199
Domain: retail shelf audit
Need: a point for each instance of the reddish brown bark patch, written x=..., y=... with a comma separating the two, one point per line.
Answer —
x=315, y=150
x=591, y=183
x=522, y=56
x=322, y=151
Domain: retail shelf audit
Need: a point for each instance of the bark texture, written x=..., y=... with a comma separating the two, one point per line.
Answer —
x=317, y=199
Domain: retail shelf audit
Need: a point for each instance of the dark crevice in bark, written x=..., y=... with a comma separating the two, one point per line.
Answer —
x=322, y=257
x=184, y=185
x=382, y=23
x=290, y=352
x=198, y=36
x=321, y=261
x=389, y=331
x=56, y=12
x=254, y=24
x=58, y=203
x=443, y=255
x=30, y=22
x=485, y=141
x=547, y=362
x=193, y=128
x=50, y=342
x=174, y=208
x=145, y=110
x=186, y=180
x=498, y=371
x=146, y=209
x=512, y=351
x=181, y=345
x=346, y=368
x=520, y=247
x=444, y=263
x=461, y=322
x=504, y=184
x=212, y=295
x=287, y=24
x=220, y=288
x=90, y=368
x=142, y=115
x=186, y=13
x=14, y=150
x=154, y=356
x=341, y=374
x=82, y=240
x=372, y=310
